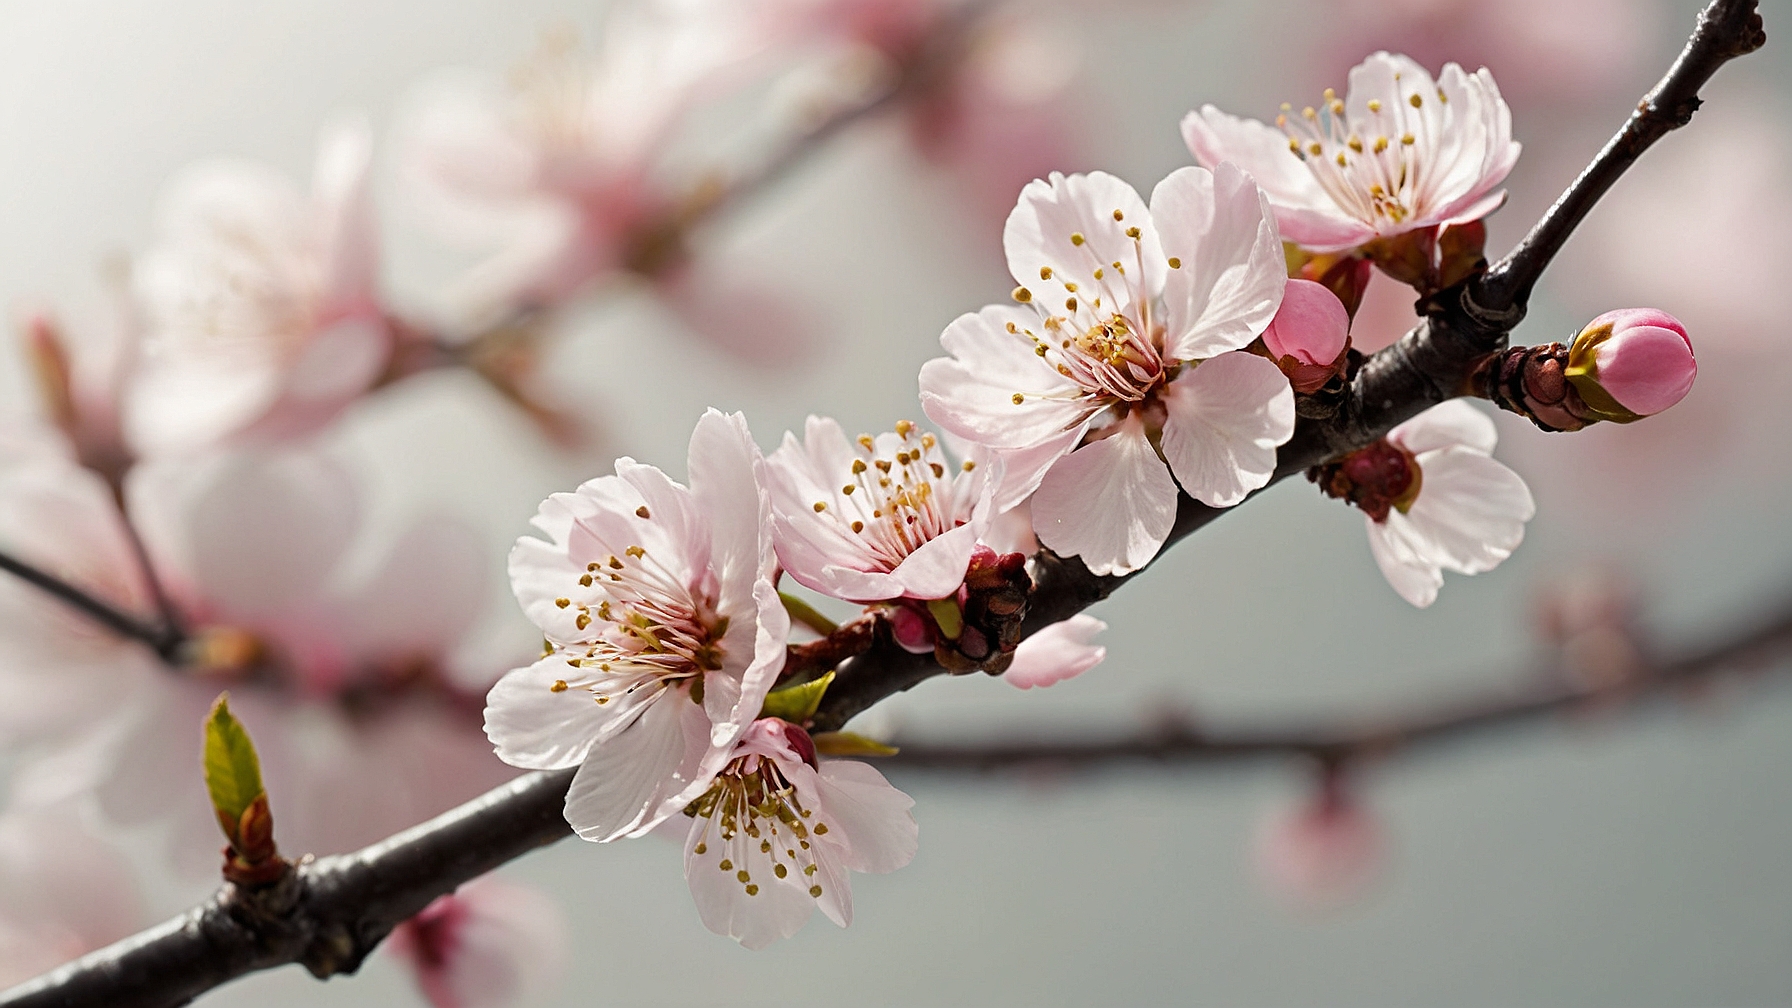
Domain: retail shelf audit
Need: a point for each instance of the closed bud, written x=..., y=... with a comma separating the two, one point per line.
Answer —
x=1631, y=363
x=1309, y=335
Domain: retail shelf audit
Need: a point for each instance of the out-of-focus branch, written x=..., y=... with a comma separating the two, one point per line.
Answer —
x=1180, y=741
x=164, y=640
x=330, y=913
x=503, y=352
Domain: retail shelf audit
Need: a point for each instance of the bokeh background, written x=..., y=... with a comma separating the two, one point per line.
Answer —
x=1634, y=860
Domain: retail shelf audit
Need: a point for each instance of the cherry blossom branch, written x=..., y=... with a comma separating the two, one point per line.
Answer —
x=1462, y=325
x=1553, y=695
x=330, y=913
x=164, y=640
x=327, y=915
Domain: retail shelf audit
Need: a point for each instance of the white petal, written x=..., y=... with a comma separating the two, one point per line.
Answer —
x=1304, y=213
x=778, y=910
x=1101, y=209
x=971, y=393
x=1111, y=502
x=756, y=646
x=532, y=726
x=880, y=831
x=805, y=562
x=1225, y=421
x=724, y=482
x=1415, y=577
x=343, y=200
x=624, y=785
x=1218, y=226
x=1454, y=423
x=937, y=568
x=1470, y=509
x=1023, y=469
x=1060, y=651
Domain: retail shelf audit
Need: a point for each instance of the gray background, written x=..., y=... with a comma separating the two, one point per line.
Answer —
x=1636, y=861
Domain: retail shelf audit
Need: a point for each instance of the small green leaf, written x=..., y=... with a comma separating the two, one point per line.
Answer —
x=797, y=704
x=807, y=614
x=232, y=773
x=947, y=614
x=845, y=743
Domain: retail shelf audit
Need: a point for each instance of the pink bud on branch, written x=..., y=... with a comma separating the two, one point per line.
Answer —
x=1625, y=365
x=1631, y=363
x=1309, y=335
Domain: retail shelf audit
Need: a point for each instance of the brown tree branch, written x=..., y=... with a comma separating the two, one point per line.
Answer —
x=337, y=909
x=164, y=640
x=1726, y=30
x=1768, y=645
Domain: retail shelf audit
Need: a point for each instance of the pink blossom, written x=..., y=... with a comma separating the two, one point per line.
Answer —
x=876, y=518
x=1401, y=152
x=1129, y=337
x=1060, y=651
x=1435, y=499
x=489, y=944
x=1309, y=334
x=1542, y=47
x=647, y=592
x=1327, y=852
x=1632, y=363
x=343, y=665
x=776, y=834
x=558, y=169
x=64, y=891
x=262, y=305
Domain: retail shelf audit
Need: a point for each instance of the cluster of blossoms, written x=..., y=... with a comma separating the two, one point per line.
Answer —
x=191, y=475
x=1153, y=350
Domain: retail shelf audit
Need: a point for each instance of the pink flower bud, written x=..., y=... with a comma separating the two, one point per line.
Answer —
x=1632, y=363
x=1309, y=334
x=1325, y=854
x=487, y=945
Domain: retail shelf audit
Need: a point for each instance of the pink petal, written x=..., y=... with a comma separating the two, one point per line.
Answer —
x=1217, y=225
x=1099, y=208
x=1225, y=421
x=489, y=944
x=1311, y=325
x=1060, y=651
x=1111, y=502
x=632, y=781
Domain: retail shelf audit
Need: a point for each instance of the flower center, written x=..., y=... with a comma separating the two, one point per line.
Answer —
x=1377, y=479
x=1371, y=166
x=653, y=629
x=752, y=815
x=899, y=493
x=1113, y=353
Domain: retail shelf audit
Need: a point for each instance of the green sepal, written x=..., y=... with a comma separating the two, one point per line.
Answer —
x=232, y=771
x=845, y=743
x=807, y=614
x=947, y=614
x=797, y=704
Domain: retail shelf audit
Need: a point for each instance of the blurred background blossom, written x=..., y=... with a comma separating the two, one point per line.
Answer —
x=536, y=194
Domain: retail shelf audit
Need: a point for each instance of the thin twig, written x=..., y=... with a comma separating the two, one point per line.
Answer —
x=336, y=910
x=164, y=641
x=1182, y=742
x=1726, y=30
